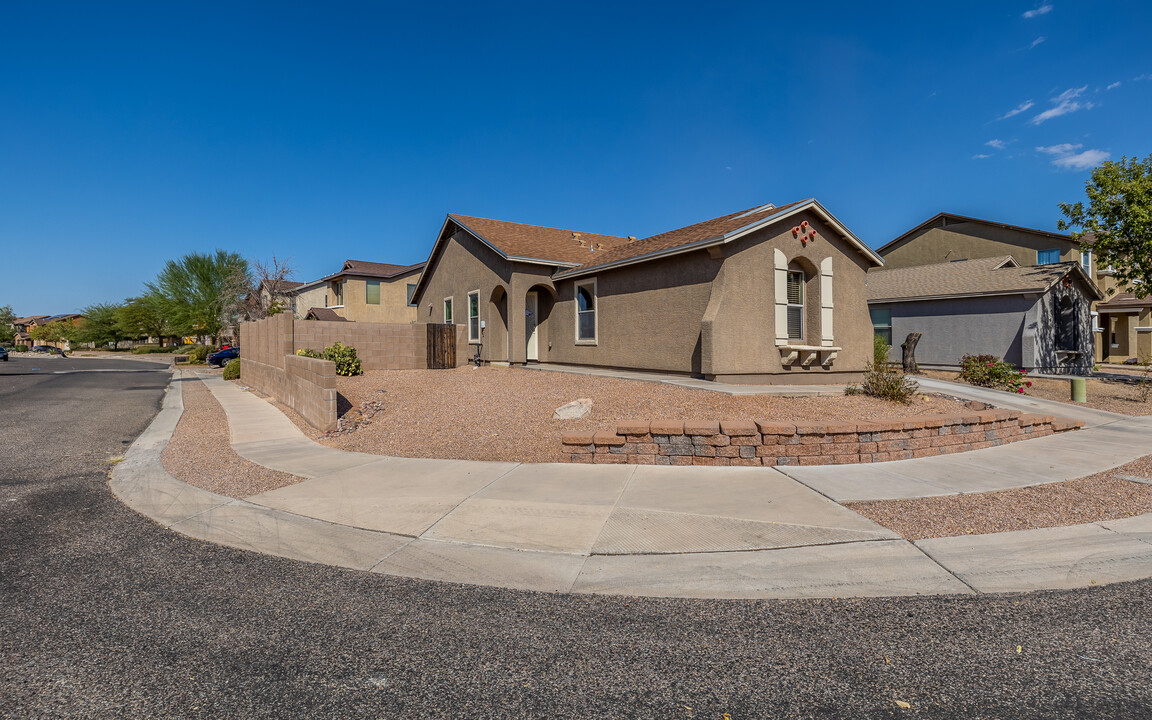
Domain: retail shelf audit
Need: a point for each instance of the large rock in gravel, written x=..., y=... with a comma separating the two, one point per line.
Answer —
x=573, y=410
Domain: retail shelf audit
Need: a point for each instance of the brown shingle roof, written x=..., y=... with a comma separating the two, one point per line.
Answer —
x=1125, y=301
x=319, y=313
x=983, y=276
x=707, y=230
x=536, y=242
x=373, y=269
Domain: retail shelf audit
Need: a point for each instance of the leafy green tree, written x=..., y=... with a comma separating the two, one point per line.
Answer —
x=101, y=325
x=202, y=292
x=1119, y=215
x=7, y=329
x=53, y=332
x=145, y=316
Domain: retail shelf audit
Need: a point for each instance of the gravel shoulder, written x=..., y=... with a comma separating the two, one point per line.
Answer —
x=1109, y=394
x=505, y=414
x=200, y=452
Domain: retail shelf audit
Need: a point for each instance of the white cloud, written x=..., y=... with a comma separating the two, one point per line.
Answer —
x=1061, y=149
x=981, y=156
x=1022, y=107
x=998, y=144
x=1065, y=103
x=1066, y=157
x=1042, y=10
x=1138, y=78
x=1036, y=42
x=1113, y=86
x=1081, y=161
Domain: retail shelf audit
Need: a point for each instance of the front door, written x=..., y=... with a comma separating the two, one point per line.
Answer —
x=531, y=308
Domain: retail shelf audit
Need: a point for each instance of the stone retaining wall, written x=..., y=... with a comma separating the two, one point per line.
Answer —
x=765, y=443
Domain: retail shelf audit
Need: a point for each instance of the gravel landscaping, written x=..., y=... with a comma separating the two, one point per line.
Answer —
x=1103, y=496
x=200, y=452
x=505, y=414
x=1111, y=395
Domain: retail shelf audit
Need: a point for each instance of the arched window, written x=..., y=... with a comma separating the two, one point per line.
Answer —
x=586, y=312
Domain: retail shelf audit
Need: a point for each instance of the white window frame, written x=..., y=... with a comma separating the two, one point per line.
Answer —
x=588, y=284
x=800, y=305
x=1086, y=261
x=473, y=338
x=450, y=310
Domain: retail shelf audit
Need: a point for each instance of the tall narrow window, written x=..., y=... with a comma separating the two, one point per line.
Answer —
x=795, y=305
x=372, y=292
x=882, y=324
x=1086, y=261
x=411, y=292
x=586, y=312
x=474, y=316
x=448, y=310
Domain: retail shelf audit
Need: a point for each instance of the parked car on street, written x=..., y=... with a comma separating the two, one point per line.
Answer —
x=220, y=357
x=46, y=349
x=3, y=354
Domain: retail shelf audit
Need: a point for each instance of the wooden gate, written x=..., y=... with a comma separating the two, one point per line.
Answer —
x=441, y=346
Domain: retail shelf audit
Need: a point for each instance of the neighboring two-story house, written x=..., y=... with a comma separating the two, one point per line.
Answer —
x=362, y=292
x=1121, y=324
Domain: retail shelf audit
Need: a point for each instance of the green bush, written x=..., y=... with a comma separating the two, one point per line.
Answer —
x=347, y=364
x=992, y=372
x=232, y=369
x=20, y=348
x=151, y=349
x=881, y=381
x=308, y=352
x=198, y=355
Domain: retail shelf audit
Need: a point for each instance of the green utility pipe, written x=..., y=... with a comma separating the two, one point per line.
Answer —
x=1079, y=389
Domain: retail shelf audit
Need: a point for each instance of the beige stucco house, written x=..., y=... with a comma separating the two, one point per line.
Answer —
x=362, y=292
x=765, y=295
x=1121, y=325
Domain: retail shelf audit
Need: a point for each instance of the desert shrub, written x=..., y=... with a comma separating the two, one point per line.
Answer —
x=20, y=348
x=880, y=349
x=347, y=364
x=232, y=369
x=881, y=380
x=199, y=354
x=308, y=352
x=991, y=372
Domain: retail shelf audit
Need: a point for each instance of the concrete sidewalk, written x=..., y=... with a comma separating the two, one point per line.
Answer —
x=638, y=530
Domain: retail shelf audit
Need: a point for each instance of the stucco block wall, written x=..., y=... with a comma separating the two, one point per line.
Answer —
x=967, y=241
x=380, y=346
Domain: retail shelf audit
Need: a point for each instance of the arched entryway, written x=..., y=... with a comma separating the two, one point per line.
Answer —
x=496, y=332
x=538, y=304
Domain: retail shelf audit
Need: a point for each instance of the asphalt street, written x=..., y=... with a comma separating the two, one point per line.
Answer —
x=106, y=614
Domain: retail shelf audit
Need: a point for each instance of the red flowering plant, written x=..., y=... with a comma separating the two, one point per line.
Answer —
x=992, y=372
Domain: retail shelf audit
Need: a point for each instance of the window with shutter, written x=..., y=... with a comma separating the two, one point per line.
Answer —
x=795, y=305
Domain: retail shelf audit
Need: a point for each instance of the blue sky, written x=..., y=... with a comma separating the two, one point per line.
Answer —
x=131, y=133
